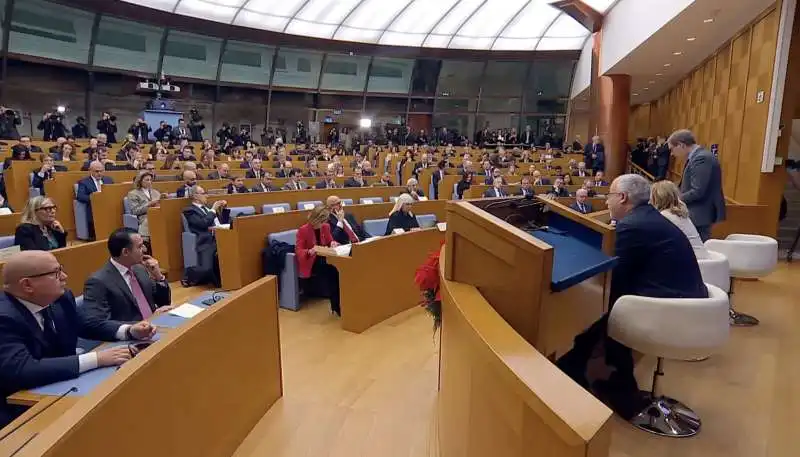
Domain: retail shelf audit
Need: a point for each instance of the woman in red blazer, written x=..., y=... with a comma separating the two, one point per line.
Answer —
x=311, y=235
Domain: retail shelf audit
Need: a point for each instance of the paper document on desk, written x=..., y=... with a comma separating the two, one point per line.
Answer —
x=369, y=240
x=223, y=226
x=343, y=249
x=442, y=226
x=187, y=311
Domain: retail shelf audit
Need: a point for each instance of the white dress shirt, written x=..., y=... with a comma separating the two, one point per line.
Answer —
x=87, y=361
x=98, y=183
x=342, y=222
x=210, y=210
x=688, y=229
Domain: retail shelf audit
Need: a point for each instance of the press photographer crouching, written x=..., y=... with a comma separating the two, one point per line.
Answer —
x=9, y=120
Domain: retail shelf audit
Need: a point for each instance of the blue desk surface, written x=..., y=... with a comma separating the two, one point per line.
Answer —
x=574, y=261
x=91, y=379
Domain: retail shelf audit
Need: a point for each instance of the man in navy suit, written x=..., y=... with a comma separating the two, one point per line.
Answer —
x=40, y=325
x=496, y=190
x=594, y=155
x=582, y=203
x=655, y=260
x=701, y=184
x=344, y=227
x=89, y=185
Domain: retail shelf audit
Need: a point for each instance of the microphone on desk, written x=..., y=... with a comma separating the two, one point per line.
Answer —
x=71, y=389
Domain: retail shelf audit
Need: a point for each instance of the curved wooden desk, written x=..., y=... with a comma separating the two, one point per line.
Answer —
x=196, y=392
x=500, y=397
x=377, y=280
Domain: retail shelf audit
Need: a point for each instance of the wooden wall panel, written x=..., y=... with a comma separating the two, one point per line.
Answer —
x=718, y=102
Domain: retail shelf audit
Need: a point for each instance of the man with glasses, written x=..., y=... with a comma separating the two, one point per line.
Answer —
x=329, y=182
x=201, y=220
x=189, y=181
x=40, y=325
x=344, y=227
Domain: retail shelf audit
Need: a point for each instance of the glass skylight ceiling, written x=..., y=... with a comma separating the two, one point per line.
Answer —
x=509, y=25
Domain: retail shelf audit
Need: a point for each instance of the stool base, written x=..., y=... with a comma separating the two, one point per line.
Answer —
x=742, y=320
x=668, y=417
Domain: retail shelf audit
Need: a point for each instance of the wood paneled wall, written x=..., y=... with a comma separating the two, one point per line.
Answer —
x=578, y=125
x=718, y=102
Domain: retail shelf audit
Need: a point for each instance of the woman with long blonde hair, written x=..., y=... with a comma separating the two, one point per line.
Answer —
x=665, y=197
x=39, y=230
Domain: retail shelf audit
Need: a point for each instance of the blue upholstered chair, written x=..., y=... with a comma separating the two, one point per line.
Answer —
x=347, y=201
x=188, y=245
x=455, y=191
x=376, y=227
x=81, y=213
x=431, y=193
x=310, y=204
x=32, y=191
x=6, y=241
x=426, y=220
x=289, y=284
x=272, y=208
x=128, y=219
x=393, y=198
x=237, y=211
x=370, y=200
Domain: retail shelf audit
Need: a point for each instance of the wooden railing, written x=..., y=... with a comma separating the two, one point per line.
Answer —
x=636, y=169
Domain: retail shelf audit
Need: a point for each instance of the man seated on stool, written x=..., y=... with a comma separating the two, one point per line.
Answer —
x=582, y=203
x=344, y=228
x=130, y=286
x=655, y=260
x=39, y=329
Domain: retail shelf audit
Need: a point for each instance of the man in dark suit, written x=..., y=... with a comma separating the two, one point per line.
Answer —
x=538, y=180
x=437, y=176
x=357, y=180
x=662, y=158
x=655, y=259
x=525, y=187
x=496, y=190
x=265, y=184
x=344, y=227
x=582, y=203
x=328, y=183
x=189, y=180
x=201, y=220
x=594, y=155
x=255, y=170
x=130, y=286
x=40, y=325
x=222, y=172
x=701, y=185
x=89, y=185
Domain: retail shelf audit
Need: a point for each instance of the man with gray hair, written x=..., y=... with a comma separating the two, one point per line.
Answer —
x=655, y=260
x=701, y=184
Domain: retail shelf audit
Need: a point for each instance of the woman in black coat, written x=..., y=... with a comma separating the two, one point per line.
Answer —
x=38, y=229
x=401, y=216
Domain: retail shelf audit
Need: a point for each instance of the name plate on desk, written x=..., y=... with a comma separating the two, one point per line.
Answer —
x=278, y=210
x=308, y=206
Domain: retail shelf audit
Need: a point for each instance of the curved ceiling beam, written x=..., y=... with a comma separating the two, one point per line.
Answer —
x=455, y=33
x=175, y=8
x=239, y=10
x=349, y=13
x=581, y=12
x=394, y=18
x=439, y=21
x=509, y=22
x=546, y=29
x=294, y=15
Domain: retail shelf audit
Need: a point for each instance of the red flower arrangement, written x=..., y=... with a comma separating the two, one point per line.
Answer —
x=427, y=279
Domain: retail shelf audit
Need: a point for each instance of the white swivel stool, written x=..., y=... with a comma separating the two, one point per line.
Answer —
x=673, y=328
x=749, y=257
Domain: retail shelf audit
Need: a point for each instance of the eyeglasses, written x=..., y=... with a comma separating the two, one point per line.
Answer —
x=47, y=208
x=57, y=272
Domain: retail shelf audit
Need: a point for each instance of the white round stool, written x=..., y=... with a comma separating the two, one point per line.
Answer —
x=672, y=328
x=749, y=257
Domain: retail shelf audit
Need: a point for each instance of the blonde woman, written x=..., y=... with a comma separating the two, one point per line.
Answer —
x=401, y=216
x=665, y=197
x=39, y=230
x=141, y=198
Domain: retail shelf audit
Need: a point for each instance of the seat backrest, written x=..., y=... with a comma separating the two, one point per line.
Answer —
x=716, y=270
x=310, y=204
x=376, y=227
x=673, y=328
x=347, y=202
x=126, y=206
x=237, y=211
x=426, y=220
x=30, y=178
x=455, y=191
x=370, y=200
x=75, y=189
x=272, y=208
x=6, y=241
x=287, y=236
x=185, y=223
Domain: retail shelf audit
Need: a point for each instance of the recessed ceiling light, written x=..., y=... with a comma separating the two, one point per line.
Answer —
x=691, y=38
x=635, y=94
x=667, y=64
x=677, y=53
x=652, y=82
x=659, y=74
x=708, y=21
x=646, y=88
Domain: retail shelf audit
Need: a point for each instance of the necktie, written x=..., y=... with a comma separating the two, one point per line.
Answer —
x=583, y=210
x=99, y=184
x=48, y=327
x=349, y=231
x=138, y=295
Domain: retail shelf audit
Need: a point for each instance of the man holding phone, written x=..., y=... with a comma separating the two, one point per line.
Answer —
x=130, y=287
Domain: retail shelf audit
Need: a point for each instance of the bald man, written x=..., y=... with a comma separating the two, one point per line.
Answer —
x=40, y=325
x=89, y=185
x=344, y=227
x=189, y=180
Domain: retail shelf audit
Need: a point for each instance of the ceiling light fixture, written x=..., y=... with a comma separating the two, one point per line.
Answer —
x=646, y=88
x=677, y=53
x=659, y=74
x=691, y=38
x=652, y=82
x=708, y=21
x=635, y=94
x=667, y=64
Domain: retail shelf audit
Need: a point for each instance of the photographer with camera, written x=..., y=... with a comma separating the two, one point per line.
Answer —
x=108, y=126
x=224, y=134
x=163, y=132
x=53, y=126
x=140, y=131
x=9, y=120
x=300, y=137
x=196, y=125
x=80, y=130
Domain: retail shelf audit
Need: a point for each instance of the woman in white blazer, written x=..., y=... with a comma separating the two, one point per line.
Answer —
x=142, y=198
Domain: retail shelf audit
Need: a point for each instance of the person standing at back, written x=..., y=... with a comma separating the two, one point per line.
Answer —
x=701, y=185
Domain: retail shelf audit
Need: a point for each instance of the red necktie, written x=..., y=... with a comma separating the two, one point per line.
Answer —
x=349, y=231
x=138, y=295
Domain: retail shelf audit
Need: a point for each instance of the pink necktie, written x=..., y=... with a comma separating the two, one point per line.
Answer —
x=138, y=294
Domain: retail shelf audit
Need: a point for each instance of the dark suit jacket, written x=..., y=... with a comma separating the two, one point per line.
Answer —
x=38, y=181
x=252, y=173
x=323, y=185
x=340, y=234
x=493, y=192
x=526, y=193
x=701, y=188
x=29, y=237
x=27, y=359
x=587, y=207
x=86, y=187
x=215, y=175
x=230, y=189
x=435, y=178
x=655, y=258
x=106, y=295
x=260, y=188
x=200, y=222
x=352, y=183
x=400, y=219
x=544, y=182
x=181, y=191
x=562, y=192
